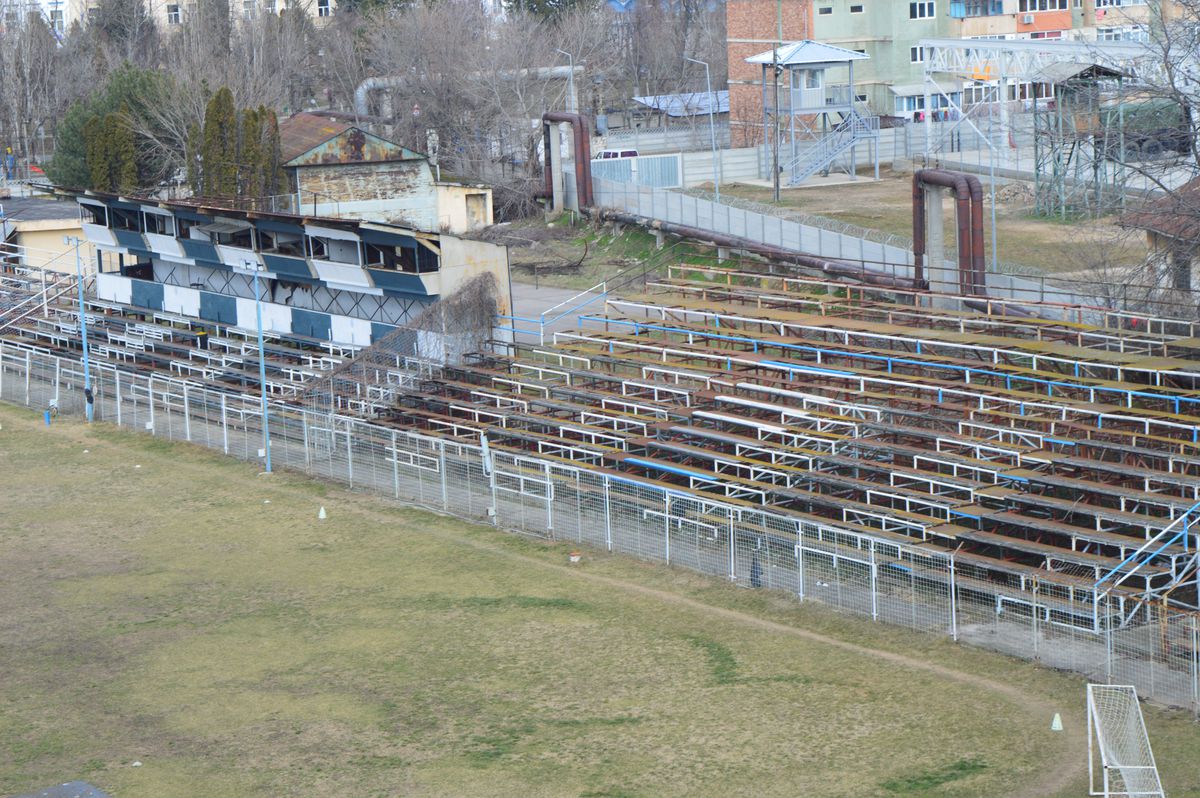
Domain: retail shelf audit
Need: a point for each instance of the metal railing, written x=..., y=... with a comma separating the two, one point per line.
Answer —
x=855, y=573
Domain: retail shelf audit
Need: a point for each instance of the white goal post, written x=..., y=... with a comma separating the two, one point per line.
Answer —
x=1119, y=745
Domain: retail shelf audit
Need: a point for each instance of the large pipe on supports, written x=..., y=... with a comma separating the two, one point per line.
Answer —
x=581, y=131
x=363, y=92
x=968, y=192
x=835, y=268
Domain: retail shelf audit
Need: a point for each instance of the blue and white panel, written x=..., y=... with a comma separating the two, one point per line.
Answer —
x=114, y=288
x=275, y=318
x=348, y=330
x=345, y=277
x=184, y=301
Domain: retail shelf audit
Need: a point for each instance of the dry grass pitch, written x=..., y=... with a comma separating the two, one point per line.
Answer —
x=169, y=615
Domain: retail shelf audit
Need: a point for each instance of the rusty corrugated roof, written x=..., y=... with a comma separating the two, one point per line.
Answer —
x=300, y=132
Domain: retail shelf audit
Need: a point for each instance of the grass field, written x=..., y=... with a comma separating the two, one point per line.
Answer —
x=158, y=609
x=1042, y=245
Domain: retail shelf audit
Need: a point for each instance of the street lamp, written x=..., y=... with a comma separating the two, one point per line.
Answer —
x=571, y=103
x=712, y=126
x=257, y=267
x=87, y=372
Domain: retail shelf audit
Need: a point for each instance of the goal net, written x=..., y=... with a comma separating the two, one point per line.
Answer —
x=1117, y=739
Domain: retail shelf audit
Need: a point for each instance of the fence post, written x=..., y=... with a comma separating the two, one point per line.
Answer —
x=874, y=584
x=667, y=525
x=549, y=500
x=349, y=455
x=732, y=549
x=117, y=387
x=1108, y=642
x=150, y=401
x=57, y=377
x=224, y=427
x=953, y=602
x=307, y=456
x=607, y=516
x=28, y=369
x=1196, y=666
x=395, y=467
x=187, y=415
x=799, y=561
x=442, y=471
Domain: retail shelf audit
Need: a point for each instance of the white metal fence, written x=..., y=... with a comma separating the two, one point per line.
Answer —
x=859, y=574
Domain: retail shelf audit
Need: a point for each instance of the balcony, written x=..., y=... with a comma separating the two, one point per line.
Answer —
x=961, y=9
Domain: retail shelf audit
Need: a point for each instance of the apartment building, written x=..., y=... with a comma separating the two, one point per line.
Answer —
x=62, y=14
x=890, y=31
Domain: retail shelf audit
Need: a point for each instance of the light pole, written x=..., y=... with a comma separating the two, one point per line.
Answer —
x=712, y=126
x=262, y=361
x=87, y=372
x=571, y=104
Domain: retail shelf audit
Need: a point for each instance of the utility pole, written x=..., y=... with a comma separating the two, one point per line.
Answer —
x=262, y=360
x=775, y=110
x=87, y=371
x=712, y=127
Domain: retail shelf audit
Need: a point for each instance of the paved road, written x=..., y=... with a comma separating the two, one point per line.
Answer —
x=530, y=302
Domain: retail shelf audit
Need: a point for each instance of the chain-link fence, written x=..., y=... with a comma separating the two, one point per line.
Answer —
x=872, y=577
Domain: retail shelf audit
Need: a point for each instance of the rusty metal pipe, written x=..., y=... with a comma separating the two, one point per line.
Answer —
x=583, y=154
x=918, y=200
x=836, y=268
x=969, y=217
x=978, y=269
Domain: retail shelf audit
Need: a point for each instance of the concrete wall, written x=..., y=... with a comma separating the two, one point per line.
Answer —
x=44, y=240
x=736, y=165
x=392, y=190
x=461, y=209
x=470, y=258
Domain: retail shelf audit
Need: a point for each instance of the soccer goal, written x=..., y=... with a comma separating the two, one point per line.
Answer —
x=1117, y=736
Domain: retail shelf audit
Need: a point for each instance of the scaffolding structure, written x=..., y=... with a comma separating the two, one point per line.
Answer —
x=1008, y=115
x=1080, y=166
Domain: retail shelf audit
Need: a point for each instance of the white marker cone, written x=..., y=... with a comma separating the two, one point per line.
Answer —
x=321, y=514
x=1056, y=724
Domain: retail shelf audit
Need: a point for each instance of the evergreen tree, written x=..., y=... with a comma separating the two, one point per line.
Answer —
x=97, y=160
x=274, y=179
x=250, y=155
x=219, y=148
x=123, y=152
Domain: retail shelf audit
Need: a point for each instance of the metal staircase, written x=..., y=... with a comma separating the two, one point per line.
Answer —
x=823, y=152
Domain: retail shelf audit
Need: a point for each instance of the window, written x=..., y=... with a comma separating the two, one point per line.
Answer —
x=324, y=8
x=1046, y=34
x=976, y=8
x=856, y=9
x=247, y=8
x=93, y=214
x=1041, y=5
x=56, y=21
x=173, y=15
x=1131, y=33
x=159, y=224
x=916, y=55
x=825, y=10
x=1118, y=3
x=927, y=9
x=860, y=98
x=126, y=220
